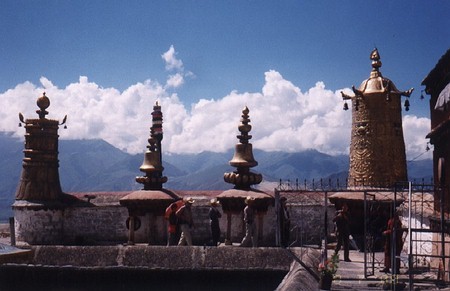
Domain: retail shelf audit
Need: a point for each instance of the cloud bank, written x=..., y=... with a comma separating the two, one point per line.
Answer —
x=283, y=117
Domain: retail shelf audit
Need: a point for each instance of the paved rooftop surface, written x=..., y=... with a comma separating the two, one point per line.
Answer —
x=350, y=276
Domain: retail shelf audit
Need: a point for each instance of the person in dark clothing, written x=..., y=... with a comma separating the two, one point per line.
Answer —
x=173, y=225
x=285, y=222
x=393, y=232
x=214, y=215
x=342, y=221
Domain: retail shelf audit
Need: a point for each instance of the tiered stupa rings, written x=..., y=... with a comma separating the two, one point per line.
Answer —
x=243, y=158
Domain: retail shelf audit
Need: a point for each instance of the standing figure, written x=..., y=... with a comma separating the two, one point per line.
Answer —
x=185, y=222
x=214, y=215
x=285, y=222
x=394, y=234
x=342, y=221
x=172, y=229
x=250, y=226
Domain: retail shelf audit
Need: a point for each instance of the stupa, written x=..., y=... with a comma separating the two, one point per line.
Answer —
x=40, y=202
x=233, y=200
x=151, y=201
x=39, y=181
x=377, y=148
x=377, y=152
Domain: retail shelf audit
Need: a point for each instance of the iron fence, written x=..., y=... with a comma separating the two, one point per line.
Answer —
x=419, y=202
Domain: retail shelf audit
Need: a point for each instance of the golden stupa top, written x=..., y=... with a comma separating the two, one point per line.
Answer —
x=243, y=158
x=43, y=102
x=376, y=83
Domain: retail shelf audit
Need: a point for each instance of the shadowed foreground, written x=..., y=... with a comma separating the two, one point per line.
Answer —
x=143, y=267
x=118, y=279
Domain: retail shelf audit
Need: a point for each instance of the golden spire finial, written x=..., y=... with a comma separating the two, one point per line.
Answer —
x=43, y=103
x=375, y=57
x=244, y=127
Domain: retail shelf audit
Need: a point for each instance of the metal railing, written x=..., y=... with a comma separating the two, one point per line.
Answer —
x=414, y=199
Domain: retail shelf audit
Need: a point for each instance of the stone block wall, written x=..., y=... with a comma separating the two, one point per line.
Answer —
x=38, y=226
x=95, y=225
x=156, y=232
x=106, y=224
x=173, y=258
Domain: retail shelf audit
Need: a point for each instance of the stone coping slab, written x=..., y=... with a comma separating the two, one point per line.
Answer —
x=225, y=258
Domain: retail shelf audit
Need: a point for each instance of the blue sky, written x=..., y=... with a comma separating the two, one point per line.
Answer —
x=221, y=47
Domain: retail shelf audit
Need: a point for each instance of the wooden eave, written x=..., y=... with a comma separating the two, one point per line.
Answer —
x=438, y=130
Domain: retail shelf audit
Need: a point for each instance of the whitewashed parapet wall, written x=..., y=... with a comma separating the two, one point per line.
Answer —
x=106, y=224
x=38, y=226
x=73, y=225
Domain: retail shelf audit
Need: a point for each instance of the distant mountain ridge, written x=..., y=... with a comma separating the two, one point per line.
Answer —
x=95, y=165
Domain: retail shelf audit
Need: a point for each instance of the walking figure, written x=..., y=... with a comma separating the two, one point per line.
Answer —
x=394, y=238
x=250, y=238
x=285, y=223
x=214, y=215
x=173, y=225
x=186, y=222
x=342, y=220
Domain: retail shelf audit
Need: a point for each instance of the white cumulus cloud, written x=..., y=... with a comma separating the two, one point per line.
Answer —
x=175, y=81
x=173, y=64
x=170, y=57
x=283, y=116
x=415, y=130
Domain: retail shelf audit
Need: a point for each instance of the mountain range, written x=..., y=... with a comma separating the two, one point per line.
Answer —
x=95, y=165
